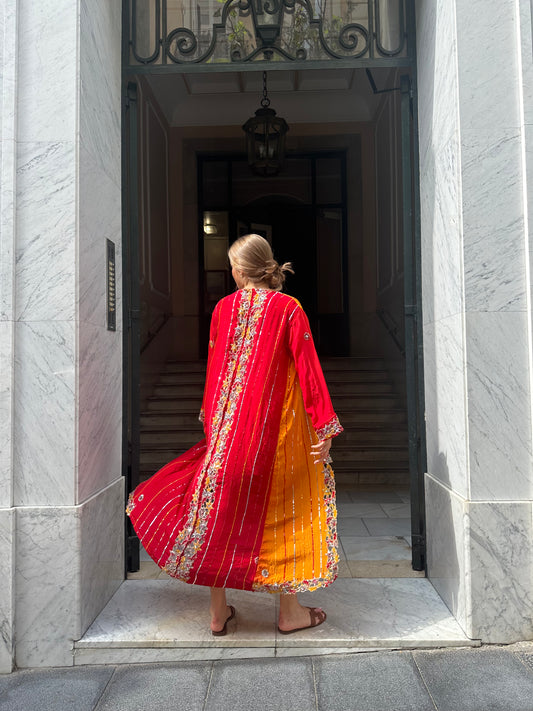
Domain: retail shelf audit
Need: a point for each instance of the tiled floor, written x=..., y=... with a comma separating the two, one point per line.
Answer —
x=374, y=535
x=377, y=602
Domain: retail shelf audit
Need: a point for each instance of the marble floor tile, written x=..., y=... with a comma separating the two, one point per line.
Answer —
x=361, y=509
x=376, y=548
x=381, y=612
x=352, y=527
x=147, y=570
x=157, y=620
x=388, y=526
x=169, y=613
x=382, y=569
x=397, y=510
x=378, y=497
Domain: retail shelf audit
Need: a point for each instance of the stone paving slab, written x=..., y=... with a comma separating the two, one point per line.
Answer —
x=262, y=685
x=72, y=689
x=472, y=680
x=486, y=679
x=164, y=687
x=371, y=681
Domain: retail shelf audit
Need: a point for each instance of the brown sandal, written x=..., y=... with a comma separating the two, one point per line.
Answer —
x=223, y=631
x=318, y=616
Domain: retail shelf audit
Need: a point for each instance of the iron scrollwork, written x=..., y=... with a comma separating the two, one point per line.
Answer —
x=283, y=30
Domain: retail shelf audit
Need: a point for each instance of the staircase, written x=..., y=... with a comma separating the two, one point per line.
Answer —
x=373, y=447
x=371, y=450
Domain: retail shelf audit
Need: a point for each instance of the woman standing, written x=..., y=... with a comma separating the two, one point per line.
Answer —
x=252, y=506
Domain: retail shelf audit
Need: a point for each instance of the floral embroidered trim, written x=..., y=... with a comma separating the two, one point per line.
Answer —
x=330, y=429
x=201, y=415
x=332, y=555
x=131, y=504
x=192, y=536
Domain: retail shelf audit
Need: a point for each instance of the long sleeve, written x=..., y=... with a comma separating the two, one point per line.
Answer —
x=213, y=331
x=316, y=397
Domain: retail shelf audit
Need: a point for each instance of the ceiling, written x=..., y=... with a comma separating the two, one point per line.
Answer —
x=229, y=98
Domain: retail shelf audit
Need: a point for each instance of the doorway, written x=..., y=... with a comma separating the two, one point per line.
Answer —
x=375, y=252
x=302, y=213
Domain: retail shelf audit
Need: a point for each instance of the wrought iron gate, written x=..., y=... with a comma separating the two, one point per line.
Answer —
x=162, y=36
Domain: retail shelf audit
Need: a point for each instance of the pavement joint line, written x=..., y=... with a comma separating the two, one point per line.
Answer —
x=313, y=672
x=109, y=681
x=413, y=657
x=204, y=708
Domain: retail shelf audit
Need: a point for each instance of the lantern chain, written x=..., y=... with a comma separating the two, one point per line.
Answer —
x=265, y=101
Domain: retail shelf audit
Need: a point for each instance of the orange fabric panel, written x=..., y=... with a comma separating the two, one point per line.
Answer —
x=299, y=545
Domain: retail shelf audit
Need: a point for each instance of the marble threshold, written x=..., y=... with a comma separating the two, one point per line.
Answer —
x=165, y=620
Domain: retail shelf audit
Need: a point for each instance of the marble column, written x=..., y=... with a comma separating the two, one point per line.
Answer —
x=475, y=205
x=62, y=494
x=8, y=71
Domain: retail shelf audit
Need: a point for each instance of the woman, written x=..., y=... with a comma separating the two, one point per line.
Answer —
x=252, y=506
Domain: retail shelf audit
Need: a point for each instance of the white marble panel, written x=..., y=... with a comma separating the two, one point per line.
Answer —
x=7, y=228
x=437, y=74
x=46, y=231
x=101, y=550
x=136, y=655
x=7, y=589
x=6, y=413
x=487, y=36
x=47, y=70
x=47, y=585
x=378, y=612
x=445, y=395
x=446, y=559
x=8, y=69
x=169, y=613
x=99, y=409
x=172, y=617
x=100, y=218
x=8, y=73
x=499, y=409
x=493, y=219
x=526, y=37
x=501, y=571
x=100, y=69
x=45, y=413
x=441, y=230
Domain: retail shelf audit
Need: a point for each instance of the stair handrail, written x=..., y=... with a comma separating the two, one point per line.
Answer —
x=392, y=328
x=154, y=329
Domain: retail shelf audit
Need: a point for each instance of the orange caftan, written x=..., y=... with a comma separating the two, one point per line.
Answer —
x=247, y=507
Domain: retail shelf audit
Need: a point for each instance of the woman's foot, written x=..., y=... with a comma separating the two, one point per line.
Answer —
x=221, y=613
x=293, y=616
x=215, y=624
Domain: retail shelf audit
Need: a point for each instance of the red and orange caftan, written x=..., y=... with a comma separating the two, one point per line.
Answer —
x=247, y=507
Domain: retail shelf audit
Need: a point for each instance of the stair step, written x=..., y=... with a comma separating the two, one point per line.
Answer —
x=371, y=416
x=381, y=456
x=366, y=363
x=181, y=436
x=175, y=366
x=354, y=401
x=157, y=420
x=173, y=404
x=381, y=437
x=181, y=379
x=357, y=376
x=183, y=390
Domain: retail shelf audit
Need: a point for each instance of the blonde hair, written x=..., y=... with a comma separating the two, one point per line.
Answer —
x=252, y=255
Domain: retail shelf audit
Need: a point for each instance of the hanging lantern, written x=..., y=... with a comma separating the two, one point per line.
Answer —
x=265, y=138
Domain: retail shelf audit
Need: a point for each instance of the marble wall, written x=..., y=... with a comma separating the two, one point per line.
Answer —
x=477, y=315
x=8, y=71
x=60, y=369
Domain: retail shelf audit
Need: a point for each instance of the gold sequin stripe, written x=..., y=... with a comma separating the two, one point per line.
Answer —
x=332, y=555
x=191, y=538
